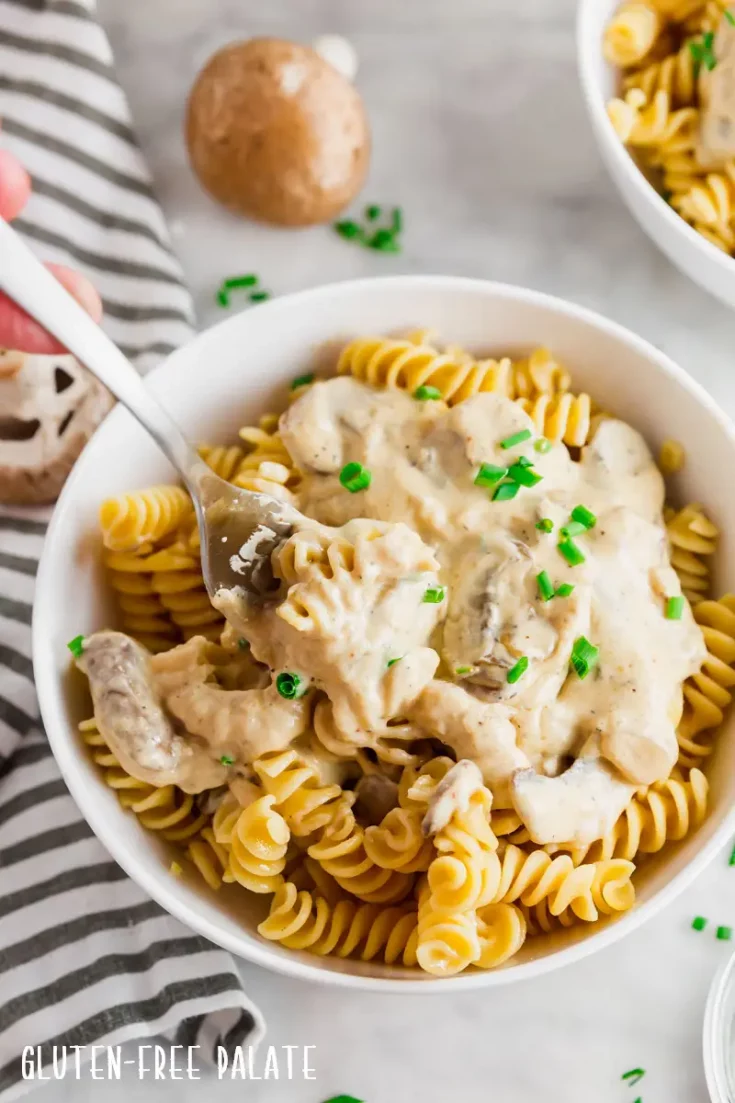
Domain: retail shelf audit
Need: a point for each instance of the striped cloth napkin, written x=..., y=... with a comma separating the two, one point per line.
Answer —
x=85, y=957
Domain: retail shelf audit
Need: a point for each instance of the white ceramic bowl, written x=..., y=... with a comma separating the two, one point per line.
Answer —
x=689, y=251
x=227, y=377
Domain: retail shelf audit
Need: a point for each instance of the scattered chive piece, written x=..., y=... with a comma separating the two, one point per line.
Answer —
x=243, y=644
x=702, y=52
x=433, y=595
x=729, y=17
x=302, y=380
x=463, y=670
x=633, y=1075
x=392, y=661
x=506, y=491
x=732, y=858
x=489, y=474
x=584, y=516
x=565, y=589
x=372, y=212
x=571, y=552
x=699, y=923
x=354, y=477
x=227, y=760
x=523, y=461
x=397, y=221
x=222, y=297
x=175, y=869
x=516, y=438
x=584, y=656
x=674, y=608
x=76, y=646
x=290, y=686
x=349, y=230
x=542, y=445
x=573, y=528
x=384, y=241
x=259, y=296
x=423, y=393
x=545, y=524
x=343, y=1099
x=545, y=586
x=724, y=934
x=240, y=281
x=524, y=474
x=518, y=670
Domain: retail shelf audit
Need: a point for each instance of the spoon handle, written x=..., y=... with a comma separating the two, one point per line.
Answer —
x=24, y=279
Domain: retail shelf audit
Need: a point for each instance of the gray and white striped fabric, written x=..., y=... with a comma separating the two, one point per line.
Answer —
x=85, y=957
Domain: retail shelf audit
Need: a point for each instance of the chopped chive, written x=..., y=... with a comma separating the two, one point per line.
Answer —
x=227, y=760
x=349, y=230
x=384, y=241
x=729, y=17
x=584, y=656
x=518, y=670
x=243, y=644
x=724, y=934
x=571, y=552
x=76, y=646
x=222, y=297
x=545, y=586
x=302, y=380
x=240, y=281
x=699, y=923
x=584, y=516
x=343, y=1099
x=732, y=858
x=175, y=869
x=573, y=528
x=391, y=662
x=633, y=1075
x=354, y=477
x=259, y=296
x=506, y=491
x=463, y=670
x=674, y=608
x=564, y=589
x=424, y=393
x=523, y=461
x=372, y=212
x=291, y=686
x=397, y=220
x=542, y=445
x=433, y=595
x=516, y=438
x=545, y=524
x=489, y=474
x=524, y=474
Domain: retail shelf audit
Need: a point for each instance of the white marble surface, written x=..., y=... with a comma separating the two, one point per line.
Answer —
x=481, y=135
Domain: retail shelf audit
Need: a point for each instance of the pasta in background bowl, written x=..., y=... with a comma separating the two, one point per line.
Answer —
x=251, y=361
x=656, y=107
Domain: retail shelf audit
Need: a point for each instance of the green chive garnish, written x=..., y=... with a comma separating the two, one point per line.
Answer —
x=259, y=296
x=302, y=380
x=506, y=491
x=240, y=281
x=729, y=17
x=372, y=212
x=222, y=297
x=633, y=1075
x=392, y=661
x=227, y=760
x=343, y=1099
x=573, y=528
x=291, y=686
x=243, y=644
x=384, y=241
x=732, y=858
x=542, y=445
x=674, y=608
x=545, y=524
x=699, y=923
x=584, y=656
x=355, y=477
x=571, y=552
x=76, y=646
x=724, y=934
x=423, y=393
x=545, y=586
x=564, y=590
x=349, y=230
x=516, y=438
x=518, y=670
x=463, y=670
x=433, y=595
x=524, y=474
x=397, y=222
x=702, y=52
x=584, y=516
x=489, y=474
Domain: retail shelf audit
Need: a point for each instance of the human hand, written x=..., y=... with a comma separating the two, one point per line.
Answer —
x=17, y=329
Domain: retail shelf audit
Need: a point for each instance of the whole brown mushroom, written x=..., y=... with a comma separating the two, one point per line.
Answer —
x=276, y=133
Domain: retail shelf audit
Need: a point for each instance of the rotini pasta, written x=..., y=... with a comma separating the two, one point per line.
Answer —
x=256, y=839
x=631, y=33
x=142, y=517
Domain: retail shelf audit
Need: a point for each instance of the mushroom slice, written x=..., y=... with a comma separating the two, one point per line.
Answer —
x=451, y=795
x=377, y=795
x=576, y=807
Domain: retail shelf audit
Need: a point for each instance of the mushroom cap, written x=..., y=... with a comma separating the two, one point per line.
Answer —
x=276, y=133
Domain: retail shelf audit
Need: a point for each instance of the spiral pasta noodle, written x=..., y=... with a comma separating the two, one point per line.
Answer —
x=708, y=693
x=256, y=839
x=302, y=800
x=611, y=892
x=208, y=857
x=631, y=33
x=692, y=540
x=142, y=517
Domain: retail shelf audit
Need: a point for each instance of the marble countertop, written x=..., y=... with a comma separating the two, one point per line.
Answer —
x=480, y=134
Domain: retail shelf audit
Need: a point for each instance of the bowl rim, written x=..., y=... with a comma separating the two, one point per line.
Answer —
x=172, y=894
x=603, y=128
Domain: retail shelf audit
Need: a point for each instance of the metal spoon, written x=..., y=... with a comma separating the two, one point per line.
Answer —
x=239, y=528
